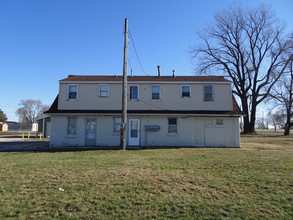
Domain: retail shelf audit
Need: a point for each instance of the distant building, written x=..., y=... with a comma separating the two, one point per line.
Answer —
x=3, y=126
x=18, y=126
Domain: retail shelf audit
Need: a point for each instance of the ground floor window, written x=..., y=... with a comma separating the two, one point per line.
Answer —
x=219, y=122
x=71, y=126
x=172, y=125
x=117, y=124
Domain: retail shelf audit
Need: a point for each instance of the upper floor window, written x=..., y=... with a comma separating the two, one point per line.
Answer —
x=133, y=92
x=172, y=125
x=71, y=126
x=72, y=92
x=155, y=92
x=208, y=93
x=185, y=91
x=104, y=90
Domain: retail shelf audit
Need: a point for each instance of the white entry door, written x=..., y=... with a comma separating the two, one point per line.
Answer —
x=133, y=132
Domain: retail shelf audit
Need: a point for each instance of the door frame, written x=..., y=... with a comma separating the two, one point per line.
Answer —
x=134, y=141
x=86, y=132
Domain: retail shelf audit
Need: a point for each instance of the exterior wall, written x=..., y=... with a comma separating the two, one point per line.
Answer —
x=191, y=131
x=88, y=97
x=59, y=135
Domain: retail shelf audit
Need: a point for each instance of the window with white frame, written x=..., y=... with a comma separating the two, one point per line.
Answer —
x=185, y=91
x=72, y=92
x=133, y=93
x=156, y=92
x=71, y=126
x=172, y=125
x=104, y=90
x=117, y=124
x=208, y=92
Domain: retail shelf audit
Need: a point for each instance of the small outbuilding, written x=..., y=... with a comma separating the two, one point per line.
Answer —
x=3, y=126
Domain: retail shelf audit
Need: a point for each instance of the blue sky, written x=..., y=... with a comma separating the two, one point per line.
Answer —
x=43, y=41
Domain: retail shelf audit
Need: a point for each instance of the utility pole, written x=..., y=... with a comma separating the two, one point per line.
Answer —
x=124, y=90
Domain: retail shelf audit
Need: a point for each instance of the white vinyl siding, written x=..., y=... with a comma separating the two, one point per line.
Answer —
x=193, y=131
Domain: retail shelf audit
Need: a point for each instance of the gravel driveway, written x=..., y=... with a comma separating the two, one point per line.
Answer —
x=12, y=143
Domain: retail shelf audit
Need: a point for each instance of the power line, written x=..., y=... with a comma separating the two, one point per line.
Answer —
x=149, y=104
x=6, y=106
x=132, y=41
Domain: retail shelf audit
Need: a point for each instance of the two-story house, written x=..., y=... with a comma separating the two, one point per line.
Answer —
x=163, y=111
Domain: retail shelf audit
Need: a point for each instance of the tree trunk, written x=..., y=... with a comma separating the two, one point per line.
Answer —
x=252, y=118
x=287, y=129
x=249, y=123
x=249, y=128
x=288, y=123
x=246, y=117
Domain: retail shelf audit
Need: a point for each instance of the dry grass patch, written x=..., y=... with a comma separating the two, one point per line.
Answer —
x=267, y=141
x=147, y=184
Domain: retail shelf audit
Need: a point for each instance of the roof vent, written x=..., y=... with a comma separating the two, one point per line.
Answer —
x=173, y=73
x=159, y=72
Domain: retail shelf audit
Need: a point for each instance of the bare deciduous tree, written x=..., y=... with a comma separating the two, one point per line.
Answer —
x=262, y=123
x=282, y=94
x=246, y=45
x=30, y=110
x=277, y=119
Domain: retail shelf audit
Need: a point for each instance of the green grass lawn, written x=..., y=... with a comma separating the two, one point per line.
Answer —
x=147, y=184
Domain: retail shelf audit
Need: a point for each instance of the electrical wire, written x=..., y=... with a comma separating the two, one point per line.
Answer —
x=132, y=41
x=5, y=106
x=151, y=105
